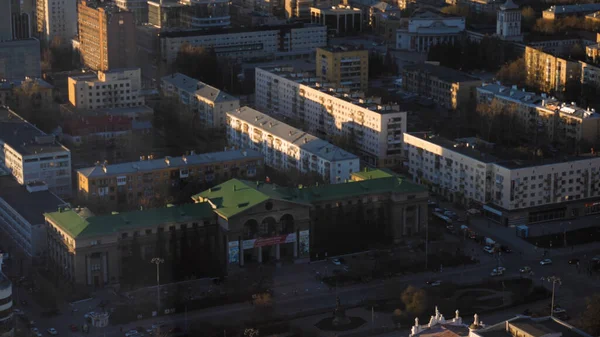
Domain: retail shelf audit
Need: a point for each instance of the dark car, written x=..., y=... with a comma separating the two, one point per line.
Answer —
x=505, y=249
x=573, y=261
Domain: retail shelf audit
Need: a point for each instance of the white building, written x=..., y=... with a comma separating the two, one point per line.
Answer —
x=208, y=102
x=116, y=88
x=22, y=211
x=426, y=28
x=508, y=22
x=57, y=19
x=286, y=147
x=512, y=191
x=32, y=156
x=375, y=128
x=525, y=326
x=267, y=41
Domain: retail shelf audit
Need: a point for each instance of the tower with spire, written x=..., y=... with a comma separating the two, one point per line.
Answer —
x=508, y=22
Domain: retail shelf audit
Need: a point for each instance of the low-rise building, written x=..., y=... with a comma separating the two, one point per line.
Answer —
x=426, y=28
x=130, y=185
x=593, y=52
x=512, y=192
x=287, y=148
x=370, y=8
x=22, y=211
x=547, y=72
x=108, y=89
x=340, y=19
x=479, y=6
x=527, y=327
x=33, y=156
x=20, y=59
x=301, y=8
x=37, y=92
x=590, y=74
x=102, y=130
x=387, y=27
x=207, y=102
x=556, y=12
x=375, y=128
x=448, y=87
x=344, y=67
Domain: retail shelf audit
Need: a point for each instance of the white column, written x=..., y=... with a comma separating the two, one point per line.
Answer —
x=88, y=269
x=259, y=254
x=277, y=252
x=105, y=267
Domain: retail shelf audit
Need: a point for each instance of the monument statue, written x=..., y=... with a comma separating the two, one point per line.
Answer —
x=339, y=314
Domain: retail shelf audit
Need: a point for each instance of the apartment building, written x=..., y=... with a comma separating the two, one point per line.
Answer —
x=556, y=12
x=41, y=93
x=375, y=128
x=479, y=6
x=7, y=323
x=22, y=211
x=192, y=14
x=91, y=250
x=512, y=192
x=340, y=19
x=590, y=74
x=344, y=67
x=56, y=19
x=547, y=72
x=426, y=28
x=561, y=122
x=139, y=8
x=20, y=59
x=207, y=102
x=114, y=88
x=31, y=155
x=101, y=129
x=286, y=147
x=126, y=184
x=593, y=52
x=301, y=8
x=106, y=36
x=448, y=87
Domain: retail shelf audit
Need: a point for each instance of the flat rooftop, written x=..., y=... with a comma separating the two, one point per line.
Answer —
x=30, y=205
x=337, y=9
x=303, y=140
x=224, y=31
x=443, y=73
x=192, y=85
x=24, y=137
x=566, y=9
x=10, y=84
x=468, y=150
x=343, y=48
x=535, y=327
x=512, y=93
x=173, y=162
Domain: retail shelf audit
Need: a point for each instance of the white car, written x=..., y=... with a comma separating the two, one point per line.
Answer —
x=488, y=249
x=502, y=269
x=545, y=262
x=34, y=330
x=496, y=272
x=52, y=331
x=89, y=315
x=131, y=333
x=337, y=262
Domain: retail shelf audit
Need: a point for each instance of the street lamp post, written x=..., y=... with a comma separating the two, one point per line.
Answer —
x=157, y=261
x=554, y=280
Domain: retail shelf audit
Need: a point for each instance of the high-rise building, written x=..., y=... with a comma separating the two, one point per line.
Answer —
x=547, y=72
x=195, y=14
x=139, y=8
x=344, y=67
x=508, y=22
x=7, y=326
x=5, y=23
x=20, y=59
x=341, y=19
x=57, y=19
x=106, y=36
x=117, y=88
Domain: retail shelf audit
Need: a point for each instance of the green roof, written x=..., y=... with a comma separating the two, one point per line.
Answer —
x=236, y=196
x=369, y=173
x=78, y=225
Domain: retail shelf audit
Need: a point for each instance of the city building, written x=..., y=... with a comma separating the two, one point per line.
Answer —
x=301, y=8
x=508, y=22
x=207, y=102
x=370, y=8
x=479, y=6
x=593, y=53
x=56, y=19
x=344, y=67
x=527, y=327
x=87, y=250
x=287, y=148
x=267, y=222
x=6, y=29
x=116, y=88
x=547, y=72
x=20, y=59
x=426, y=28
x=387, y=26
x=512, y=192
x=555, y=12
x=590, y=74
x=593, y=18
x=439, y=326
x=192, y=14
x=22, y=211
x=33, y=156
x=106, y=36
x=104, y=130
x=559, y=45
x=139, y=8
x=340, y=19
x=544, y=116
x=448, y=87
x=375, y=128
x=37, y=92
x=164, y=14
x=127, y=184
x=7, y=323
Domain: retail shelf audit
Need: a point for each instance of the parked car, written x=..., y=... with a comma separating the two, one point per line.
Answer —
x=525, y=269
x=505, y=249
x=488, y=249
x=337, y=262
x=502, y=269
x=434, y=283
x=496, y=272
x=131, y=333
x=52, y=331
x=545, y=262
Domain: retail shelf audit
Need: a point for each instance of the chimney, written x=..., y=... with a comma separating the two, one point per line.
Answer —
x=234, y=188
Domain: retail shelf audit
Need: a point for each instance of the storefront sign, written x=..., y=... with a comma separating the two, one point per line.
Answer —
x=274, y=240
x=304, y=243
x=234, y=252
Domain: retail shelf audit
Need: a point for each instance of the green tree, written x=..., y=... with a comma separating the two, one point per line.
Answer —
x=513, y=73
x=415, y=300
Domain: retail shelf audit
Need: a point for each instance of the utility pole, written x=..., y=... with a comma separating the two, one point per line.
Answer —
x=426, y=246
x=554, y=280
x=157, y=261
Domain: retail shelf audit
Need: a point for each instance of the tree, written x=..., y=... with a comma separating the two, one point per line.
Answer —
x=513, y=73
x=415, y=300
x=577, y=52
x=397, y=317
x=589, y=319
x=528, y=16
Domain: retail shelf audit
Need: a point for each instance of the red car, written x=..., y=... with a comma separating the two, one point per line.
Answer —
x=73, y=327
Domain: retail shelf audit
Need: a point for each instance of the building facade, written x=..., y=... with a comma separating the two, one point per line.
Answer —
x=57, y=19
x=547, y=72
x=32, y=156
x=426, y=28
x=344, y=67
x=286, y=148
x=7, y=323
x=20, y=59
x=207, y=102
x=508, y=22
x=115, y=88
x=590, y=74
x=448, y=87
x=555, y=12
x=340, y=19
x=375, y=128
x=106, y=37
x=512, y=192
x=101, y=130
x=301, y=8
x=128, y=184
x=40, y=93
x=139, y=8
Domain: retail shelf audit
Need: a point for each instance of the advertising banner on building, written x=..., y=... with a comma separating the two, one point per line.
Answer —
x=272, y=241
x=234, y=252
x=304, y=243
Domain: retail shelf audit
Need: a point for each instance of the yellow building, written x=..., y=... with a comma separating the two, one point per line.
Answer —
x=547, y=72
x=345, y=67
